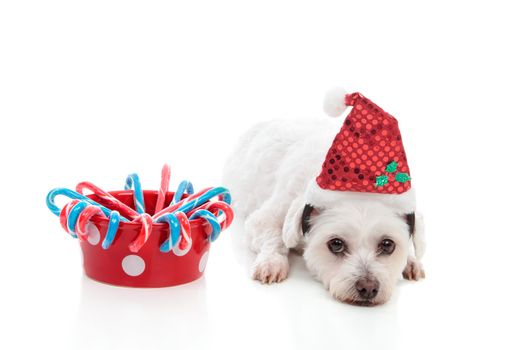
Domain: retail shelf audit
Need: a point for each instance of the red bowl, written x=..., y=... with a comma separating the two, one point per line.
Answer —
x=149, y=268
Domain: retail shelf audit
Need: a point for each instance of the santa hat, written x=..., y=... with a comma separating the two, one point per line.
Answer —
x=366, y=161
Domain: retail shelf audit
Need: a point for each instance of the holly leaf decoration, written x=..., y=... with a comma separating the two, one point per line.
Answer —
x=391, y=167
x=402, y=177
x=381, y=180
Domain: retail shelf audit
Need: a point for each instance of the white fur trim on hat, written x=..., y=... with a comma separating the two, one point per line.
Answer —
x=334, y=102
x=403, y=203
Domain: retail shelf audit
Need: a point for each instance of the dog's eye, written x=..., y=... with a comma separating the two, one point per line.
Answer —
x=386, y=247
x=336, y=246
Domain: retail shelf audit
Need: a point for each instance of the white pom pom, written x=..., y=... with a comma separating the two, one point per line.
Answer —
x=334, y=102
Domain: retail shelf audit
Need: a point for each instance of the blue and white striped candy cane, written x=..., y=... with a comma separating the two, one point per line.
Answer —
x=73, y=216
x=133, y=181
x=205, y=197
x=212, y=220
x=175, y=231
x=185, y=240
x=114, y=222
x=50, y=201
x=184, y=187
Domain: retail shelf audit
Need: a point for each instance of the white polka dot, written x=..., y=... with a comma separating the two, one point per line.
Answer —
x=203, y=262
x=93, y=234
x=133, y=265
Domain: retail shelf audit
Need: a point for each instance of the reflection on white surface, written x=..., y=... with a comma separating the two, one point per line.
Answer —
x=120, y=317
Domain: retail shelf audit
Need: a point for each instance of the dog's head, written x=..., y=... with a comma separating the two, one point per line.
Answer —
x=357, y=250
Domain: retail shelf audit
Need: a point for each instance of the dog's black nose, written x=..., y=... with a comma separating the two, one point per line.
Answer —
x=367, y=287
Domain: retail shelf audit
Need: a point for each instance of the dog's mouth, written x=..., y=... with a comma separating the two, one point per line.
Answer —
x=353, y=298
x=361, y=302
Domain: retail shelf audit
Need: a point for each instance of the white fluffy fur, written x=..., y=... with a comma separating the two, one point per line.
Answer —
x=270, y=176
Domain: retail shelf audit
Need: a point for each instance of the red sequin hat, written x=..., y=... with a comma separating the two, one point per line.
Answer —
x=366, y=159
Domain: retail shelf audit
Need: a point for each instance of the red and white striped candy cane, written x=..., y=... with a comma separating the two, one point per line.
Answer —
x=179, y=204
x=108, y=200
x=145, y=232
x=164, y=185
x=63, y=216
x=84, y=218
x=214, y=208
x=185, y=240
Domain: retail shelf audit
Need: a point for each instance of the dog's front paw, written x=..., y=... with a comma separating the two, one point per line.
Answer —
x=271, y=268
x=414, y=270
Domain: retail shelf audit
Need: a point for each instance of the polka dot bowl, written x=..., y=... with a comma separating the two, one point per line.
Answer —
x=149, y=268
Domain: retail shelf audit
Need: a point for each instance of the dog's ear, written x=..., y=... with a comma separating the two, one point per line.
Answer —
x=292, y=228
x=419, y=241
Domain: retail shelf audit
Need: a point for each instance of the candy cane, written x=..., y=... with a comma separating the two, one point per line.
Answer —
x=73, y=215
x=107, y=199
x=185, y=241
x=174, y=207
x=184, y=187
x=164, y=185
x=215, y=227
x=217, y=222
x=50, y=201
x=225, y=209
x=222, y=192
x=145, y=232
x=133, y=181
x=175, y=232
x=114, y=222
x=84, y=217
x=64, y=215
x=197, y=199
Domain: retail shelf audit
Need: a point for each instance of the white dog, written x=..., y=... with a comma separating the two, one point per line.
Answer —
x=357, y=246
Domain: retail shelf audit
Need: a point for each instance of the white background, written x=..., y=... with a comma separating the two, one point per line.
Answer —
x=96, y=90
